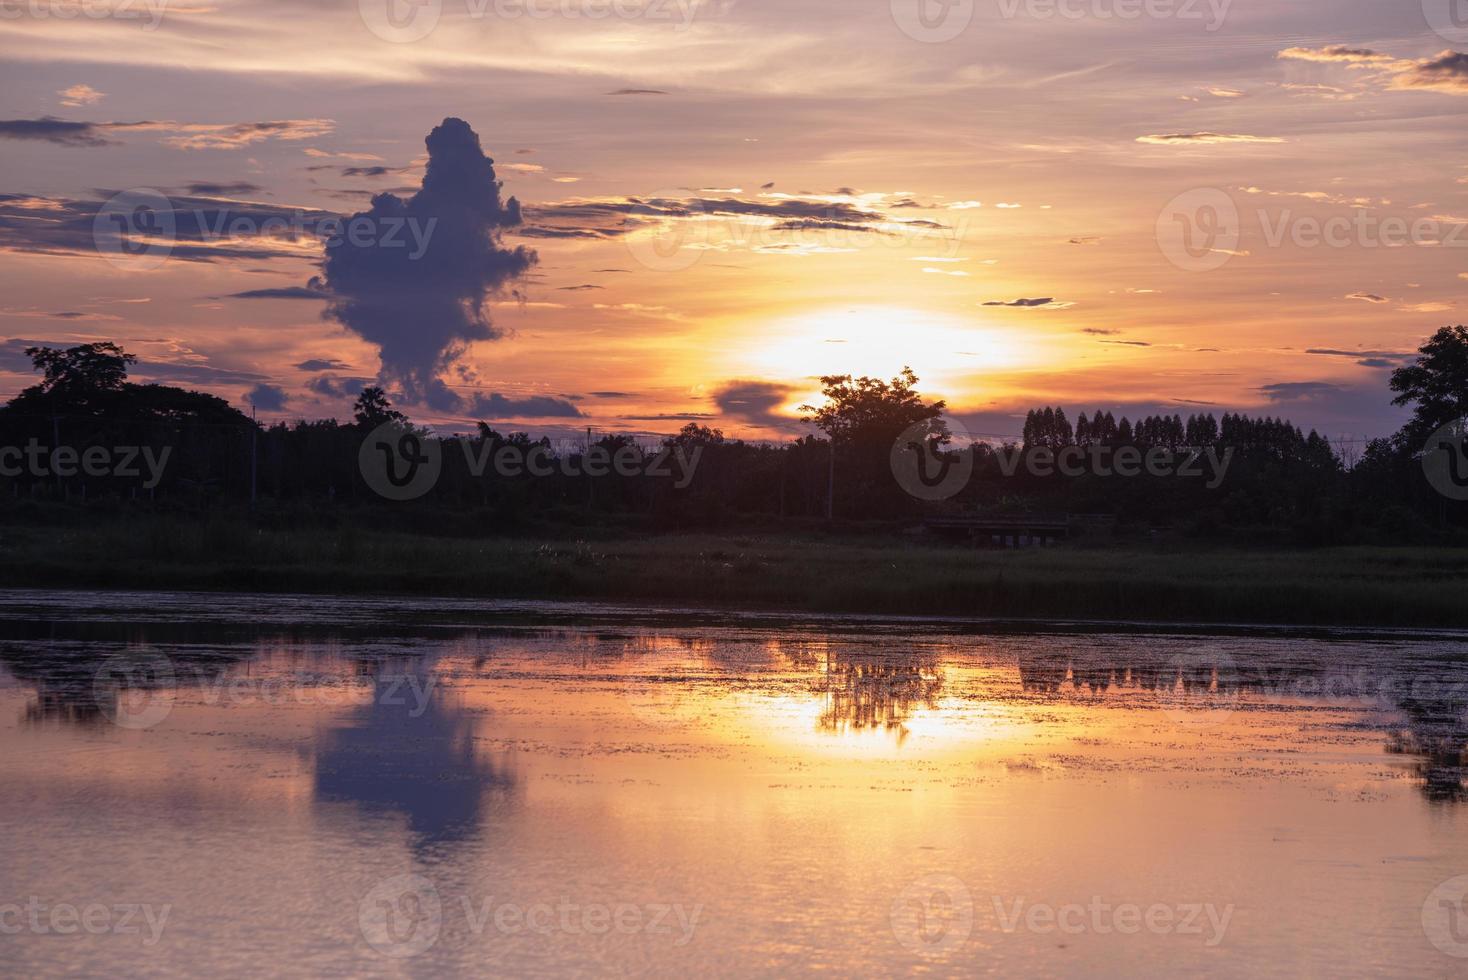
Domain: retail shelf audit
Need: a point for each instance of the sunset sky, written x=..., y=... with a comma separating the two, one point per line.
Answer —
x=730, y=198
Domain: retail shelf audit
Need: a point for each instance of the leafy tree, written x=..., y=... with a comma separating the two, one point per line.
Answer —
x=864, y=417
x=694, y=434
x=373, y=409
x=101, y=366
x=1437, y=385
x=868, y=409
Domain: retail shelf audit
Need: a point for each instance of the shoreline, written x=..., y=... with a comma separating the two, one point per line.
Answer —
x=522, y=612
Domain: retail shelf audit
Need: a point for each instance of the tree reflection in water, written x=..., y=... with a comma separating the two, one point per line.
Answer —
x=1433, y=700
x=1436, y=735
x=865, y=690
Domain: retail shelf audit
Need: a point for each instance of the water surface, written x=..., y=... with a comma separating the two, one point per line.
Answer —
x=334, y=787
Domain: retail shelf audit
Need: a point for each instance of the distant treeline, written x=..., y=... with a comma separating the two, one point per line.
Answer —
x=1280, y=485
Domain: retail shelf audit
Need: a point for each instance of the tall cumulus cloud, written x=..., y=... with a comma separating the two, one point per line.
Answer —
x=422, y=309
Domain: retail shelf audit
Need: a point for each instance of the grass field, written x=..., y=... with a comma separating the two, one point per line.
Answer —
x=892, y=575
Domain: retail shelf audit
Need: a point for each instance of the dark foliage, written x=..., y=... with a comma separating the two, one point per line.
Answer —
x=1282, y=485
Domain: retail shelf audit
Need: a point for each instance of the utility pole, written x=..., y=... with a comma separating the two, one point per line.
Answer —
x=56, y=444
x=831, y=483
x=254, y=432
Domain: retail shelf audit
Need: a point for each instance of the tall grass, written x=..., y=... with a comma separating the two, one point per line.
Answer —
x=1355, y=586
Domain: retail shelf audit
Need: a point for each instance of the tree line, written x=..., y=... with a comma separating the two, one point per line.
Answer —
x=1283, y=484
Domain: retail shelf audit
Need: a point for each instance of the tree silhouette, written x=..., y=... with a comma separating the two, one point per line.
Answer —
x=862, y=409
x=98, y=366
x=864, y=417
x=1437, y=385
x=373, y=409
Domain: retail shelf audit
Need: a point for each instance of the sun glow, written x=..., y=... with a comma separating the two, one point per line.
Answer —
x=878, y=342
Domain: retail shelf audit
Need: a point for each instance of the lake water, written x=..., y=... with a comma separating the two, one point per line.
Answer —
x=229, y=786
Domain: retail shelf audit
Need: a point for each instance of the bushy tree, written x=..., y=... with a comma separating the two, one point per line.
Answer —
x=1436, y=386
x=864, y=417
x=373, y=409
x=100, y=366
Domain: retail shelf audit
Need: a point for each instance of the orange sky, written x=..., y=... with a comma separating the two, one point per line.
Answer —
x=1162, y=180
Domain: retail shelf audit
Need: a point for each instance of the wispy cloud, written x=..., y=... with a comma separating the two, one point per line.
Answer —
x=80, y=95
x=1446, y=71
x=1173, y=139
x=1037, y=303
x=185, y=136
